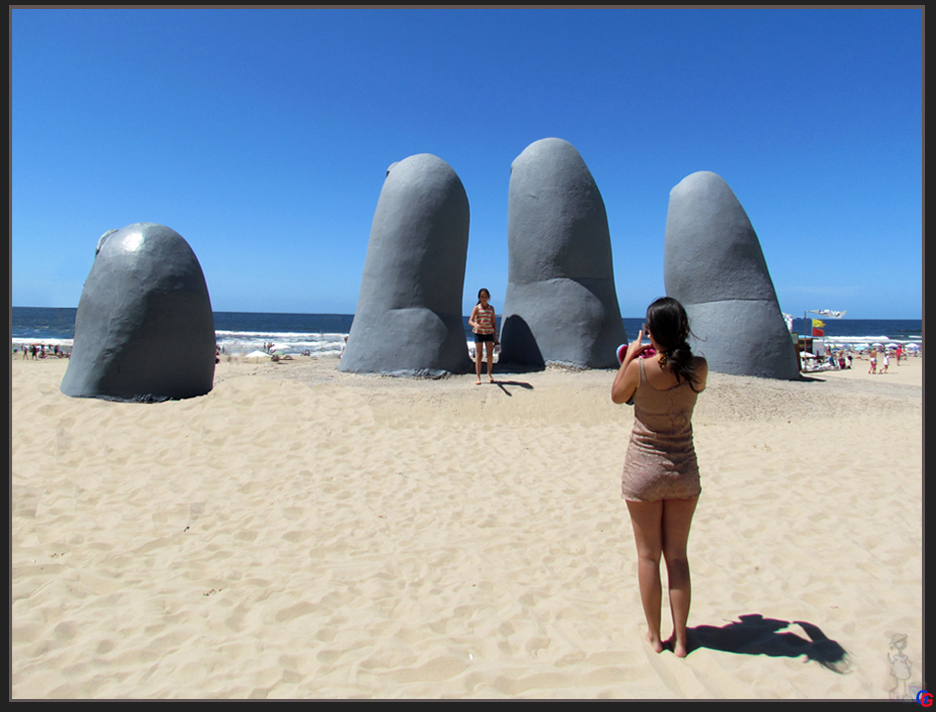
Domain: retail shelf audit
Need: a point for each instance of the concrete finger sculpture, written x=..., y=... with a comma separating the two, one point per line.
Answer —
x=714, y=265
x=408, y=319
x=560, y=305
x=144, y=328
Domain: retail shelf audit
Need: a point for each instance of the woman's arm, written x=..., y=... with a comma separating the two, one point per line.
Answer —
x=628, y=375
x=701, y=373
x=471, y=320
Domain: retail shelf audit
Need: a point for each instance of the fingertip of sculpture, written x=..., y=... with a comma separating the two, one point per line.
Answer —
x=408, y=318
x=144, y=329
x=714, y=265
x=560, y=305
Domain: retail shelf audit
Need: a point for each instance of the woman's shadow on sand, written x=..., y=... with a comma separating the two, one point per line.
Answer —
x=755, y=635
x=503, y=385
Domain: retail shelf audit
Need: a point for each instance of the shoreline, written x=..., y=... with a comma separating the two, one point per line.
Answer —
x=302, y=532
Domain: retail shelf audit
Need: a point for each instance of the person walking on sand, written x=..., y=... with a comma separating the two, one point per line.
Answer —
x=886, y=361
x=660, y=482
x=482, y=323
x=872, y=369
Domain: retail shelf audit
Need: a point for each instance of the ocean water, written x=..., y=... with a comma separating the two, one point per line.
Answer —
x=324, y=334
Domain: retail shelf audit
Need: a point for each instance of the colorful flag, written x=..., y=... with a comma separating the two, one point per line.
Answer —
x=816, y=322
x=818, y=332
x=829, y=312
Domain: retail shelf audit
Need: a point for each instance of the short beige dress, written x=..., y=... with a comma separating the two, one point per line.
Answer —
x=661, y=459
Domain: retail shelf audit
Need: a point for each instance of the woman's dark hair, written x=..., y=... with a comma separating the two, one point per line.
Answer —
x=479, y=294
x=669, y=324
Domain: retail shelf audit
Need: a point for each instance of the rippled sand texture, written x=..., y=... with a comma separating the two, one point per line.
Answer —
x=299, y=533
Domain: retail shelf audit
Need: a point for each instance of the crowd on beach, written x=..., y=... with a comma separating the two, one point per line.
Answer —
x=38, y=351
x=841, y=359
x=882, y=357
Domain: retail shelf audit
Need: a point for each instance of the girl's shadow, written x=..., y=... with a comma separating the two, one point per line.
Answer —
x=502, y=385
x=755, y=635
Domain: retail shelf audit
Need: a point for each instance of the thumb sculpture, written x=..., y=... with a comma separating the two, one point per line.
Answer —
x=144, y=328
x=714, y=265
x=560, y=305
x=408, y=318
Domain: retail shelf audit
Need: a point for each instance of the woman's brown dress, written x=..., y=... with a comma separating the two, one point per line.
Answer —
x=661, y=460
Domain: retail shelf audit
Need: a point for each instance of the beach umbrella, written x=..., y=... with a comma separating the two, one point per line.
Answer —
x=257, y=355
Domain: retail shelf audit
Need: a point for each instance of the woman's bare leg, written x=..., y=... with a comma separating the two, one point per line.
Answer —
x=490, y=360
x=677, y=518
x=647, y=519
x=478, y=357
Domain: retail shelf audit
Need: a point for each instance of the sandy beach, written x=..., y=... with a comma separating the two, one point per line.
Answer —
x=304, y=533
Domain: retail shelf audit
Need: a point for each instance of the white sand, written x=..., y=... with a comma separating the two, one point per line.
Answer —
x=300, y=533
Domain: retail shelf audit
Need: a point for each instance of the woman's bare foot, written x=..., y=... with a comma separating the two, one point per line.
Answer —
x=655, y=642
x=678, y=648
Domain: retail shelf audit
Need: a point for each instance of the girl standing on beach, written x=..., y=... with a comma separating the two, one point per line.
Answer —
x=661, y=474
x=482, y=323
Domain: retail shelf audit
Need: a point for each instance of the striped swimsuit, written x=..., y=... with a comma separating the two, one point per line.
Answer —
x=485, y=321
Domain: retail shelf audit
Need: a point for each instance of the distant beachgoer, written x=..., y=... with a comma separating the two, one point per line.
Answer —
x=841, y=361
x=482, y=323
x=660, y=482
x=898, y=353
x=873, y=367
x=886, y=361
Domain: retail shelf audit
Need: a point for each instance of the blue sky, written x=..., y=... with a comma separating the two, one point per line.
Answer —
x=263, y=137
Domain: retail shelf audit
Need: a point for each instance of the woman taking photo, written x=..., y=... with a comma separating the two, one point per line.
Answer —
x=661, y=474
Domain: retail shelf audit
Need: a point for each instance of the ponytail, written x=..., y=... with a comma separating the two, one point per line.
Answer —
x=669, y=325
x=682, y=364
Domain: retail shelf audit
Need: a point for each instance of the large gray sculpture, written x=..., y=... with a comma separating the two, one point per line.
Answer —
x=144, y=328
x=560, y=304
x=408, y=319
x=714, y=265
